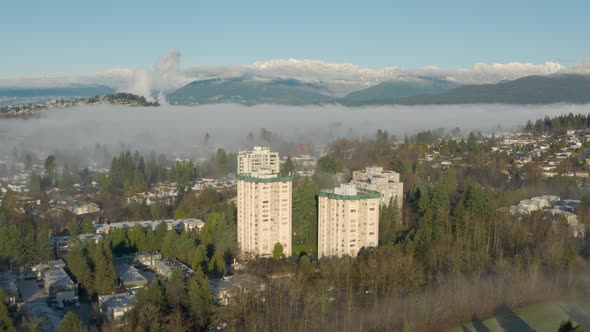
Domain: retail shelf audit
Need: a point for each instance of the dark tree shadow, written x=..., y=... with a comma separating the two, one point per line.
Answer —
x=478, y=324
x=509, y=321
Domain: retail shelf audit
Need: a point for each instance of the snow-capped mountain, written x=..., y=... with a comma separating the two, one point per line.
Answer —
x=343, y=78
x=339, y=79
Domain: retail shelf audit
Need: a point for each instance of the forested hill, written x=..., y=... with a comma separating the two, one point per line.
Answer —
x=389, y=91
x=527, y=90
x=566, y=88
x=249, y=91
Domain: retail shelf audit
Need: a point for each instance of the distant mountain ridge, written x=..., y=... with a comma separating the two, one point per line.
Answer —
x=402, y=90
x=549, y=89
x=389, y=91
x=249, y=91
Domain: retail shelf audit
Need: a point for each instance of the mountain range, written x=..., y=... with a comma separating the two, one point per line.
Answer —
x=302, y=82
x=548, y=89
x=249, y=91
x=559, y=88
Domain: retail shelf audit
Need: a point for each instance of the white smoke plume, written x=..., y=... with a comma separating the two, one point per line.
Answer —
x=165, y=76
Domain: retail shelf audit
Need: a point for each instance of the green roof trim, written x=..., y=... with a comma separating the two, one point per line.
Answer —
x=361, y=194
x=264, y=180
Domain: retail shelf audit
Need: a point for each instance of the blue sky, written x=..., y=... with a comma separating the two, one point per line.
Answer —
x=66, y=37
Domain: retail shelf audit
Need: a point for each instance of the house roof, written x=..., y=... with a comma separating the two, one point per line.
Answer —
x=57, y=277
x=122, y=300
x=128, y=273
x=8, y=282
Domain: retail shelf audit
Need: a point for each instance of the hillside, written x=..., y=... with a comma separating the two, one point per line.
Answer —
x=249, y=91
x=568, y=88
x=388, y=92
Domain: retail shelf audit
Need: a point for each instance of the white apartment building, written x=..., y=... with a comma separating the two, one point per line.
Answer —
x=264, y=204
x=259, y=159
x=385, y=182
x=348, y=220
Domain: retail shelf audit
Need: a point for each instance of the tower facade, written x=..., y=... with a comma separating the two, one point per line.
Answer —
x=264, y=204
x=348, y=220
x=385, y=182
x=259, y=159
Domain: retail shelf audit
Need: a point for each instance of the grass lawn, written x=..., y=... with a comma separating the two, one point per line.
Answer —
x=309, y=249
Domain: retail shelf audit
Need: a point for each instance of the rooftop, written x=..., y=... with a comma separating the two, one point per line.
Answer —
x=178, y=223
x=170, y=265
x=117, y=300
x=8, y=282
x=81, y=237
x=57, y=277
x=269, y=179
x=128, y=273
x=345, y=192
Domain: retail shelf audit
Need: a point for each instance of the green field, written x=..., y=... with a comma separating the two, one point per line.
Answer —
x=544, y=316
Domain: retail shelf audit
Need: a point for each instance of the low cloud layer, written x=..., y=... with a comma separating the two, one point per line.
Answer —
x=180, y=130
x=309, y=70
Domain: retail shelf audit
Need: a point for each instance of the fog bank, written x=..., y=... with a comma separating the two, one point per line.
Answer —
x=179, y=129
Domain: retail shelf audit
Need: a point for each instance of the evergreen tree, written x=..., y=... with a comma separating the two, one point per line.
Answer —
x=106, y=277
x=67, y=179
x=217, y=265
x=388, y=221
x=138, y=238
x=200, y=300
x=5, y=321
x=222, y=163
x=79, y=265
x=73, y=227
x=288, y=168
x=170, y=244
x=51, y=170
x=139, y=182
x=35, y=184
x=71, y=323
x=12, y=245
x=86, y=227
x=277, y=251
x=119, y=242
x=199, y=262
x=175, y=290
x=222, y=230
x=305, y=214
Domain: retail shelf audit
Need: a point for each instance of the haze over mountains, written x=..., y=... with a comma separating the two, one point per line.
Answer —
x=301, y=82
